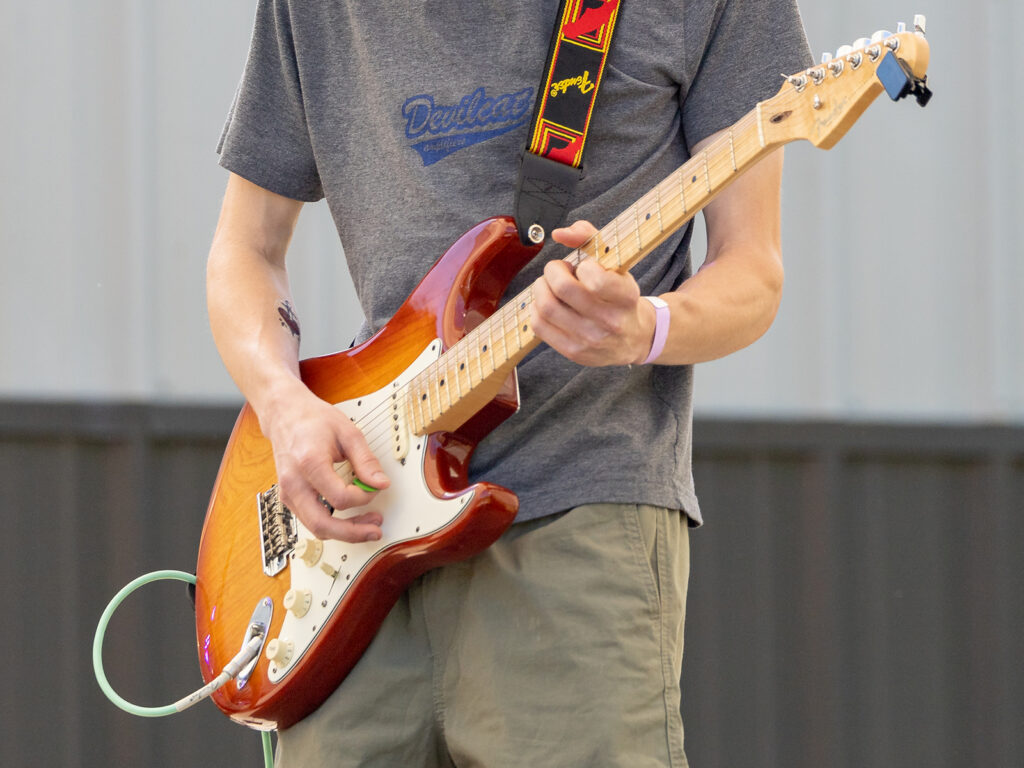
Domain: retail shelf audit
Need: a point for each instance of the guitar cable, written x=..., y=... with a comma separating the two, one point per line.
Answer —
x=249, y=652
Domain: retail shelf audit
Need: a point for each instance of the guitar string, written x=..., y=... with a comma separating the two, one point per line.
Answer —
x=376, y=424
x=711, y=158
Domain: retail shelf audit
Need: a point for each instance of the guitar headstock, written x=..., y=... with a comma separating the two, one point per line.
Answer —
x=821, y=103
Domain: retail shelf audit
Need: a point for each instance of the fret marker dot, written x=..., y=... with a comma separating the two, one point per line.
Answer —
x=694, y=180
x=424, y=396
x=483, y=348
x=462, y=366
x=648, y=216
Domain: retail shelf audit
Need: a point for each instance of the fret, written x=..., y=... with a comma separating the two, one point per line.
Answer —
x=682, y=192
x=522, y=316
x=415, y=421
x=420, y=397
x=609, y=245
x=745, y=150
x=489, y=348
x=434, y=399
x=478, y=356
x=707, y=173
x=466, y=363
x=661, y=224
x=732, y=151
x=458, y=368
x=445, y=386
x=644, y=223
x=470, y=343
x=504, y=335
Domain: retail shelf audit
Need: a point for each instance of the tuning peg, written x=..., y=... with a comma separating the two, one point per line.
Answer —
x=920, y=23
x=844, y=51
x=880, y=35
x=826, y=57
x=861, y=42
x=901, y=28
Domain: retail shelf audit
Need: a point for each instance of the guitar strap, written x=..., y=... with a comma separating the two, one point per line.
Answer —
x=552, y=163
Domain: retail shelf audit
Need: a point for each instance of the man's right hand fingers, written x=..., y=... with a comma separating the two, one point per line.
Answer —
x=318, y=519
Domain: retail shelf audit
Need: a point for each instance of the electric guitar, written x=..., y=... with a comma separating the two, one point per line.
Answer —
x=426, y=389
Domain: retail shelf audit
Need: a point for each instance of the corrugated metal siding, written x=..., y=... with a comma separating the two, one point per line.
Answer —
x=855, y=595
x=92, y=497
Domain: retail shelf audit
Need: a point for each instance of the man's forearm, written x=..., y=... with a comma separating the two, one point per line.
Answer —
x=727, y=305
x=253, y=322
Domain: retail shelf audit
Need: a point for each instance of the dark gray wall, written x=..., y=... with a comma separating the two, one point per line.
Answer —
x=855, y=597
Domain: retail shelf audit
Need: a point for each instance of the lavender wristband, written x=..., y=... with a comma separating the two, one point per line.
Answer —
x=661, y=321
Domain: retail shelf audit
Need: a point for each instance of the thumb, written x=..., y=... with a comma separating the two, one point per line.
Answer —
x=365, y=465
x=575, y=234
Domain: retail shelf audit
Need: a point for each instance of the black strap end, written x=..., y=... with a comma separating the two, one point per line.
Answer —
x=543, y=192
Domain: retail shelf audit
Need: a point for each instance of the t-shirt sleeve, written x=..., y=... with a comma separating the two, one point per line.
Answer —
x=266, y=137
x=738, y=60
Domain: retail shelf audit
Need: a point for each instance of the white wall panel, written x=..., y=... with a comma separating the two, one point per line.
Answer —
x=903, y=260
x=903, y=257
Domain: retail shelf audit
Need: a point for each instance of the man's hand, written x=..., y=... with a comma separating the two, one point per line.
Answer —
x=257, y=334
x=591, y=315
x=309, y=436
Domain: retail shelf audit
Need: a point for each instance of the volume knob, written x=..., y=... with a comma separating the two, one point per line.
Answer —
x=309, y=551
x=280, y=651
x=298, y=601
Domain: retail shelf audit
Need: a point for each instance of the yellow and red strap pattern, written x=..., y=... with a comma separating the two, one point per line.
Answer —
x=574, y=71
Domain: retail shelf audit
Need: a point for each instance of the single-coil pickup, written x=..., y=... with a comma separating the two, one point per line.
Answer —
x=396, y=422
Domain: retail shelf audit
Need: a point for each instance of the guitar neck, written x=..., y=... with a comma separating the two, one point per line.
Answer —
x=470, y=373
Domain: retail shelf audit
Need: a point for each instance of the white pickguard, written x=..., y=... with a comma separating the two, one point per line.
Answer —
x=409, y=509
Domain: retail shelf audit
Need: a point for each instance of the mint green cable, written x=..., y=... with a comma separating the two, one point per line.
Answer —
x=268, y=750
x=101, y=630
x=247, y=653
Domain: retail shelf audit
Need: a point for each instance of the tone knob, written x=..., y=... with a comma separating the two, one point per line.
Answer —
x=298, y=601
x=280, y=651
x=309, y=551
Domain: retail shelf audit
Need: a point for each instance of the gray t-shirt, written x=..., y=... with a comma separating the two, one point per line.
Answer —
x=409, y=118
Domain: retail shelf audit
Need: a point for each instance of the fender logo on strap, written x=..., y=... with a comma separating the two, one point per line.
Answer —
x=581, y=81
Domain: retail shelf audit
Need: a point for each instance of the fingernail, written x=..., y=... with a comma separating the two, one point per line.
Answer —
x=380, y=477
x=373, y=537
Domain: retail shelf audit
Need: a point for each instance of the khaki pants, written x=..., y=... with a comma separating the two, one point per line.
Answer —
x=560, y=645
